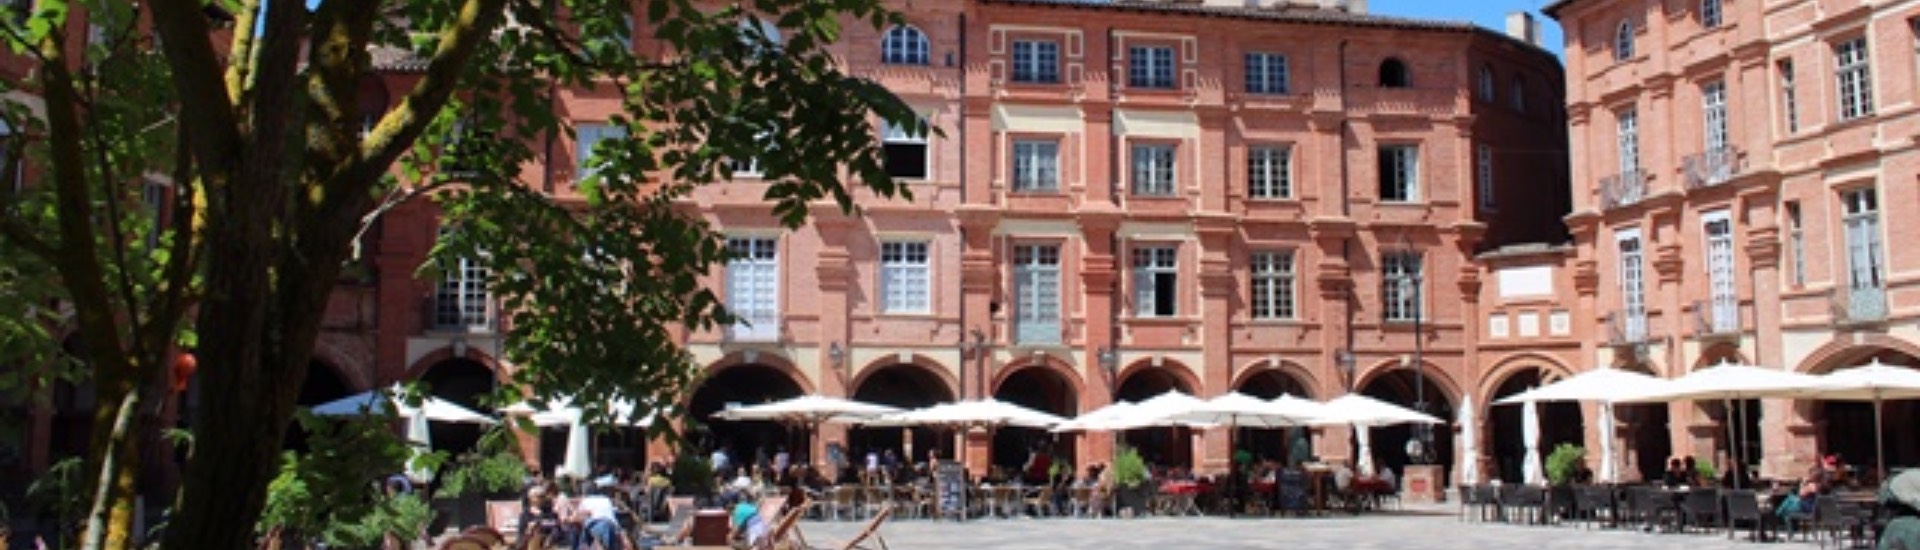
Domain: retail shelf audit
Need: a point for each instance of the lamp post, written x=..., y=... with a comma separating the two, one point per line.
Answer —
x=977, y=348
x=1410, y=287
x=838, y=358
x=1110, y=362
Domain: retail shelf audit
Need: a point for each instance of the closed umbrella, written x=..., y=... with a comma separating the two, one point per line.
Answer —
x=1874, y=382
x=1364, y=436
x=1609, y=471
x=578, y=463
x=1530, y=471
x=1469, y=443
x=420, y=440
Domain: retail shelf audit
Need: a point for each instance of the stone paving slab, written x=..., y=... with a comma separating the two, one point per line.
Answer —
x=1436, y=528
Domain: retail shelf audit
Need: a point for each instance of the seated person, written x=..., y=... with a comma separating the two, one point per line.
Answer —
x=1342, y=477
x=1388, y=480
x=1799, y=505
x=746, y=524
x=1900, y=504
x=1677, y=473
x=598, y=521
x=537, y=514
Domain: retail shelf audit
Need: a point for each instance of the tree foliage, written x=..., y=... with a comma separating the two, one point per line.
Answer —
x=272, y=185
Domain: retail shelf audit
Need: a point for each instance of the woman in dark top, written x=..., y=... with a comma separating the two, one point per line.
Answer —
x=1677, y=473
x=537, y=514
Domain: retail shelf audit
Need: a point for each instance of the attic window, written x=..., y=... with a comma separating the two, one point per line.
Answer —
x=1393, y=74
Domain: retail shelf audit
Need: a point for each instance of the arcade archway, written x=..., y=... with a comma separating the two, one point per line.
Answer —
x=1389, y=443
x=1272, y=443
x=464, y=382
x=1846, y=427
x=322, y=384
x=1560, y=422
x=737, y=385
x=1041, y=389
x=906, y=386
x=1159, y=446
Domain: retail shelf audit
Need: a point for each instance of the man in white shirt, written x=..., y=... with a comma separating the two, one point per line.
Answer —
x=597, y=518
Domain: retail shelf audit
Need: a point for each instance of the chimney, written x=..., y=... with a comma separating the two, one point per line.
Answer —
x=1521, y=26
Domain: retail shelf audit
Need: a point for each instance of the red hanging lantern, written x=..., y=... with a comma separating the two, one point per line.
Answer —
x=184, y=366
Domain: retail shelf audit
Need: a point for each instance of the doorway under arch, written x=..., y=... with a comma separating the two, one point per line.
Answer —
x=464, y=382
x=1389, y=443
x=1560, y=422
x=1041, y=389
x=322, y=384
x=1272, y=443
x=740, y=385
x=905, y=386
x=1846, y=427
x=1172, y=446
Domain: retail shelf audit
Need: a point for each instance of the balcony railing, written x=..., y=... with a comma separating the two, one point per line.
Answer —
x=1859, y=305
x=1710, y=321
x=1622, y=189
x=1625, y=329
x=1712, y=167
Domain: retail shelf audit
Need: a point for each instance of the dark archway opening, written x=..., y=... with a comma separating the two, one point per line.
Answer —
x=1847, y=426
x=1394, y=74
x=744, y=442
x=1560, y=422
x=1271, y=443
x=1159, y=446
x=1389, y=443
x=907, y=387
x=322, y=384
x=1042, y=390
x=464, y=382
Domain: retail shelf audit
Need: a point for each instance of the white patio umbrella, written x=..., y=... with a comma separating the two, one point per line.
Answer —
x=1874, y=382
x=379, y=402
x=809, y=410
x=1361, y=410
x=1469, y=462
x=1530, y=472
x=1601, y=384
x=1732, y=382
x=1097, y=420
x=1239, y=410
x=988, y=413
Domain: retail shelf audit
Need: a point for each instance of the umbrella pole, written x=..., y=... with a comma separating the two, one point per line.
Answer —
x=1733, y=436
x=1879, y=441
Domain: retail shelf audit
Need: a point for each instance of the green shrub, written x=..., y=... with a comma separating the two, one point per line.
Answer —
x=1706, y=471
x=1129, y=470
x=492, y=468
x=1566, y=458
x=691, y=475
x=403, y=516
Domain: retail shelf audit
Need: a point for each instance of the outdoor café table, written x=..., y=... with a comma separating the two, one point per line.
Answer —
x=1181, y=495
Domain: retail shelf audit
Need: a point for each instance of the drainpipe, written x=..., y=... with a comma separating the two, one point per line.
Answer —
x=1346, y=210
x=961, y=30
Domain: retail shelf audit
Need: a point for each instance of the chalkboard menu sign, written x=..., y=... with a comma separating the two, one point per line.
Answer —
x=950, y=488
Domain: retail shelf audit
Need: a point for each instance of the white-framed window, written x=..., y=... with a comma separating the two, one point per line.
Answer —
x=1713, y=111
x=1150, y=67
x=1866, y=262
x=1036, y=61
x=906, y=151
x=626, y=32
x=1796, y=245
x=1633, y=300
x=754, y=30
x=1401, y=280
x=1036, y=287
x=1710, y=13
x=1271, y=283
x=1789, y=104
x=1724, y=314
x=1623, y=40
x=1855, y=75
x=1486, y=84
x=753, y=287
x=1517, y=96
x=1036, y=165
x=17, y=175
x=587, y=136
x=1266, y=73
x=1270, y=172
x=1399, y=173
x=1153, y=169
x=1156, y=281
x=905, y=279
x=460, y=302
x=904, y=45
x=1627, y=135
x=1483, y=176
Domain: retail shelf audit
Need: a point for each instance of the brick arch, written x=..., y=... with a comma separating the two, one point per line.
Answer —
x=1174, y=367
x=420, y=366
x=1048, y=362
x=916, y=361
x=359, y=377
x=774, y=361
x=1718, y=352
x=1836, y=352
x=1288, y=368
x=1449, y=388
x=1512, y=364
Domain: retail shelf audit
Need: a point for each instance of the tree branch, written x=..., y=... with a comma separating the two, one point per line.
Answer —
x=397, y=130
x=197, y=77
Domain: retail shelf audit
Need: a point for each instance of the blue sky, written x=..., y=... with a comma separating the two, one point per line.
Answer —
x=1491, y=14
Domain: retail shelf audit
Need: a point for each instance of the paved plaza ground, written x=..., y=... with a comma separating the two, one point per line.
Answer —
x=1417, y=528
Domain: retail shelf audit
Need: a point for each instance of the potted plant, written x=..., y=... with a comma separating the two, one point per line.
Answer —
x=491, y=472
x=692, y=476
x=1131, y=489
x=1565, y=459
